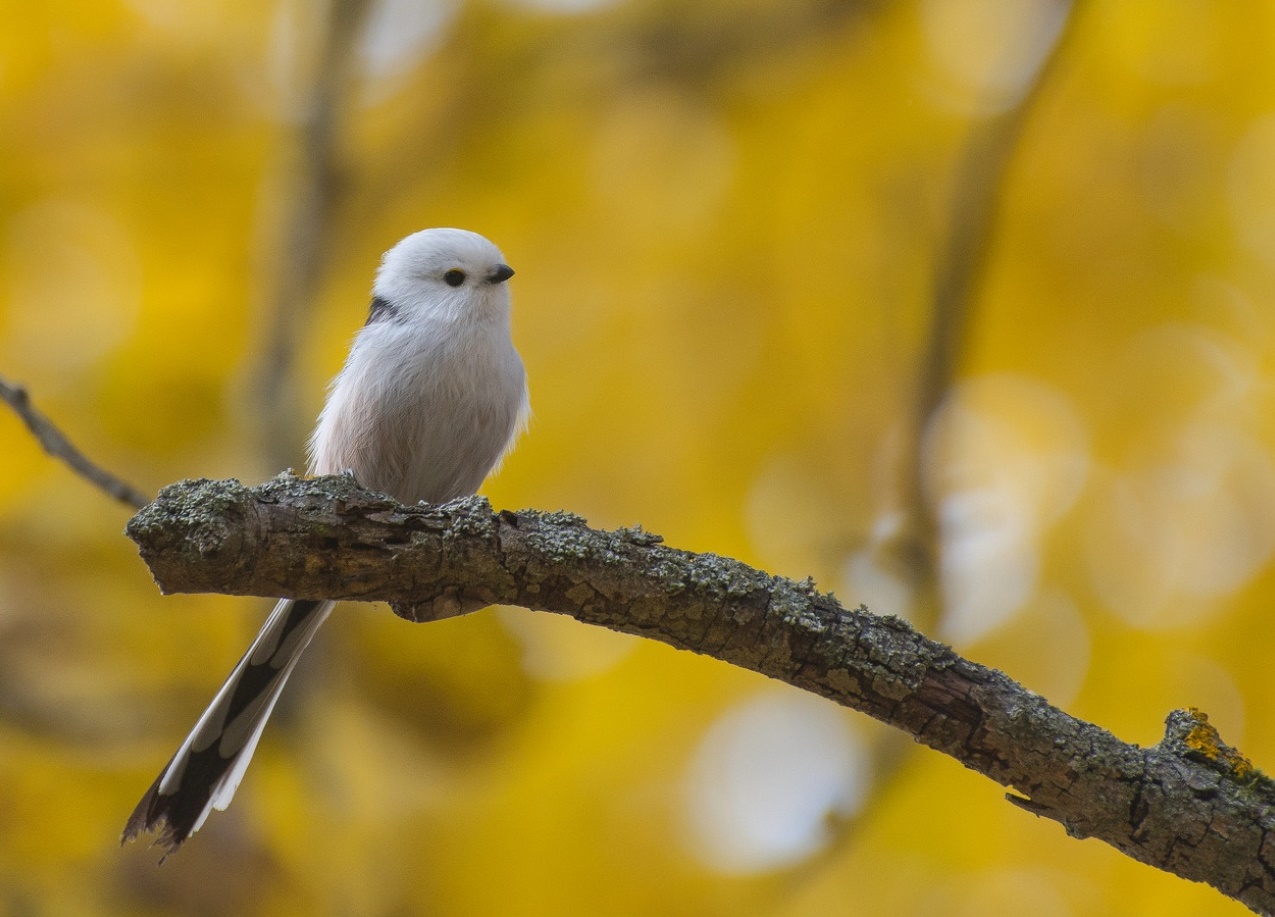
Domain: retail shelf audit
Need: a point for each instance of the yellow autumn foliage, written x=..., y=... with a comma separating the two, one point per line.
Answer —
x=728, y=219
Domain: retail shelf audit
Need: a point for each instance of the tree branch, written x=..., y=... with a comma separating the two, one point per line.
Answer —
x=1190, y=805
x=55, y=444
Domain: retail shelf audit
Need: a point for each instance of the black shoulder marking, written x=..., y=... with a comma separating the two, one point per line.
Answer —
x=381, y=310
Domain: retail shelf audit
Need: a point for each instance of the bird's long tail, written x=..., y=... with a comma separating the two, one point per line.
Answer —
x=205, y=772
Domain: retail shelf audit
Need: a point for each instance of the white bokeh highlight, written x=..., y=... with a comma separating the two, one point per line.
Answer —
x=768, y=778
x=1194, y=523
x=989, y=51
x=1005, y=458
x=401, y=33
x=1183, y=516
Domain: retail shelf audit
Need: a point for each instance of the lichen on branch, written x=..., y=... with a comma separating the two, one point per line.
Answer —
x=1190, y=805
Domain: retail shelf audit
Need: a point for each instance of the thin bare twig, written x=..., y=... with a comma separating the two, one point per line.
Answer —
x=55, y=443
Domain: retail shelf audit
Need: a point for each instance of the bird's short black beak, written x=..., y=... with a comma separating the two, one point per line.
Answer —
x=502, y=273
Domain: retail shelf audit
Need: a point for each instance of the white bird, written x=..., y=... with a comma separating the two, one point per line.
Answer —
x=432, y=396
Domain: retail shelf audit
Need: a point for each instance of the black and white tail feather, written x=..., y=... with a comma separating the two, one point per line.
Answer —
x=431, y=397
x=205, y=772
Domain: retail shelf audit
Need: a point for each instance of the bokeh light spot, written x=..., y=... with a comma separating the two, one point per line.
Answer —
x=767, y=778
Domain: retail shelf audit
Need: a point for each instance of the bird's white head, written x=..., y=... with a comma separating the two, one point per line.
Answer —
x=447, y=272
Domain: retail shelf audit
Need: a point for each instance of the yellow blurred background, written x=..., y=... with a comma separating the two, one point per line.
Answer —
x=729, y=219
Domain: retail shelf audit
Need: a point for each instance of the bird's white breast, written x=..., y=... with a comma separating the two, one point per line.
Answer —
x=423, y=410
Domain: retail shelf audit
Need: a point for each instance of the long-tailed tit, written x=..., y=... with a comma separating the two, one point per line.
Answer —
x=431, y=397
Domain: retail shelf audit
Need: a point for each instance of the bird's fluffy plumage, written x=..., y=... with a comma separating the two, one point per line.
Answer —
x=431, y=396
x=433, y=393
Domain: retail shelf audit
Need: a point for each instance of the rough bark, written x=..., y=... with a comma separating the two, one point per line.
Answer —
x=1189, y=805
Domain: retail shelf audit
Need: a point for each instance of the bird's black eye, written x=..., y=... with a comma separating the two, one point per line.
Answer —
x=454, y=278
